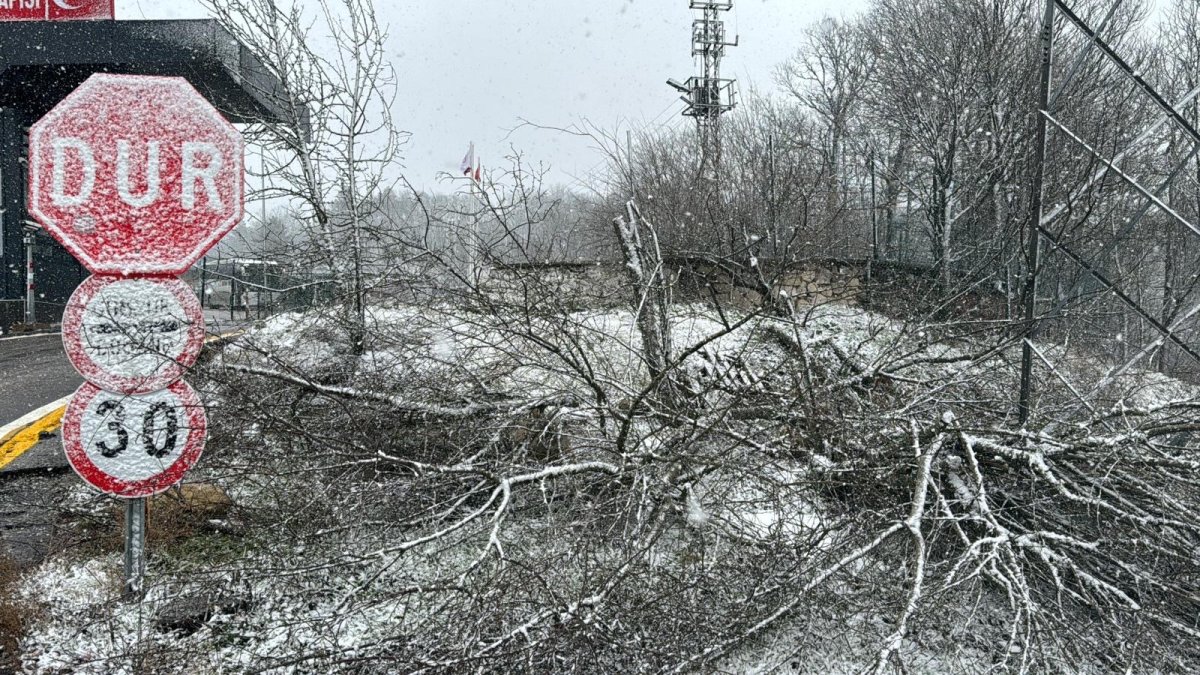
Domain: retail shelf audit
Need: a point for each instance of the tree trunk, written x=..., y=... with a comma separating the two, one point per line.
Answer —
x=651, y=301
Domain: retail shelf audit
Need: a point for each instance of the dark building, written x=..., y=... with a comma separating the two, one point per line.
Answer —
x=42, y=62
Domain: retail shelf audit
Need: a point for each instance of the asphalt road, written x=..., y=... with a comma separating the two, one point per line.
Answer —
x=34, y=371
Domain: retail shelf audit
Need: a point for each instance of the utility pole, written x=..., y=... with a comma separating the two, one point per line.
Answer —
x=709, y=96
x=1035, y=216
x=874, y=220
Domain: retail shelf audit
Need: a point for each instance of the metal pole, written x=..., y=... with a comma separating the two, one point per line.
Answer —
x=1035, y=214
x=203, y=280
x=135, y=547
x=629, y=158
x=30, y=299
x=232, y=290
x=874, y=221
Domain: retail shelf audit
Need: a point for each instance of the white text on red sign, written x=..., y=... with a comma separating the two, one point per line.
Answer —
x=147, y=192
x=201, y=164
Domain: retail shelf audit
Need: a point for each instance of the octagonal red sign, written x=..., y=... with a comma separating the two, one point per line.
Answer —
x=136, y=174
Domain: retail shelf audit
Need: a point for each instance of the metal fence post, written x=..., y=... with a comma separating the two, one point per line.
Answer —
x=30, y=299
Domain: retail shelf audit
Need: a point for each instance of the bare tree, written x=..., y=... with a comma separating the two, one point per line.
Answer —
x=828, y=75
x=336, y=147
x=955, y=109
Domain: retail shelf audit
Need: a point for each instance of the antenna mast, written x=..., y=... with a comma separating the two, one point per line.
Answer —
x=709, y=96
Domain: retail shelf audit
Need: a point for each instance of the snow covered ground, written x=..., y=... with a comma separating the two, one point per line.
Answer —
x=351, y=558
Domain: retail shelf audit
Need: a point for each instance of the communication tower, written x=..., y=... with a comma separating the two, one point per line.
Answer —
x=709, y=96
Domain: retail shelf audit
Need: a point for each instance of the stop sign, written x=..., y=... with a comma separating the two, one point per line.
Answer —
x=136, y=175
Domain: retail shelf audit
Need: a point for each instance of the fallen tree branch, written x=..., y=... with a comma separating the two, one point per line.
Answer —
x=892, y=643
x=410, y=408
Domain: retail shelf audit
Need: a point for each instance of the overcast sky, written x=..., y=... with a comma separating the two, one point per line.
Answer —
x=472, y=69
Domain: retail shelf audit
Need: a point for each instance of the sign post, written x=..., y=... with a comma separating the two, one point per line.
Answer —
x=135, y=546
x=138, y=177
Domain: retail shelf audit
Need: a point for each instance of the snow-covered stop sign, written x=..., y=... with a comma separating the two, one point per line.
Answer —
x=136, y=175
x=134, y=446
x=133, y=335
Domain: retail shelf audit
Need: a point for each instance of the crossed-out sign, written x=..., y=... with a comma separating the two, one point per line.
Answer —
x=138, y=177
x=133, y=335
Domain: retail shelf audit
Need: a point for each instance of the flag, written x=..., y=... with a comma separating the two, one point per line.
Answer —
x=478, y=172
x=468, y=163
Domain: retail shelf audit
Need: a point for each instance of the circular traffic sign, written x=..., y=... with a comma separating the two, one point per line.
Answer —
x=134, y=446
x=133, y=335
x=136, y=175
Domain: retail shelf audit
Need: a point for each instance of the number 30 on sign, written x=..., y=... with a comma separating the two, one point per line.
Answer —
x=134, y=446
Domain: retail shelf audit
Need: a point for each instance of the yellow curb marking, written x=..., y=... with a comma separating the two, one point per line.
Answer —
x=20, y=441
x=17, y=443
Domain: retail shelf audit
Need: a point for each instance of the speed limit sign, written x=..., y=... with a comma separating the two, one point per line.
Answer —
x=134, y=446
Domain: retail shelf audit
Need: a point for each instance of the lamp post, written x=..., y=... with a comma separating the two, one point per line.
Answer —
x=30, y=300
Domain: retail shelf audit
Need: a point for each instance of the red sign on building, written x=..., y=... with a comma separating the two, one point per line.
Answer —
x=55, y=10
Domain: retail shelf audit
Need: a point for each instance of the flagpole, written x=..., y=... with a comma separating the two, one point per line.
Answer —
x=469, y=167
x=472, y=244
